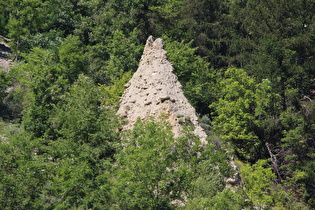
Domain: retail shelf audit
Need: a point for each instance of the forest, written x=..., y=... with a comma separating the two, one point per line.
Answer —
x=247, y=67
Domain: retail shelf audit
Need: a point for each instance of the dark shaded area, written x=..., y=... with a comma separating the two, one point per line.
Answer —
x=4, y=51
x=5, y=112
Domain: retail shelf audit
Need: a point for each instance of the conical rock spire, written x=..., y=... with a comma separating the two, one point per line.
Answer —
x=154, y=91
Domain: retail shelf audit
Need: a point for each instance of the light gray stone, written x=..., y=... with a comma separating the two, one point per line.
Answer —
x=154, y=90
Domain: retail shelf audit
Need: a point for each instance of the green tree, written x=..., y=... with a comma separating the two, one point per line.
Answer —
x=4, y=84
x=71, y=170
x=298, y=150
x=194, y=73
x=263, y=191
x=243, y=113
x=258, y=181
x=72, y=58
x=234, y=111
x=211, y=26
x=48, y=74
x=146, y=168
x=23, y=173
x=4, y=17
x=86, y=135
x=25, y=18
x=281, y=42
x=111, y=58
x=226, y=199
x=155, y=169
x=38, y=74
x=207, y=188
x=84, y=118
x=140, y=14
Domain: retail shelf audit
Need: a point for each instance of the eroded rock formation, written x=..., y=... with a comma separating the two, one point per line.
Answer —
x=154, y=90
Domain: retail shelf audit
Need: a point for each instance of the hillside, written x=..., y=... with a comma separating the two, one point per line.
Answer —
x=238, y=75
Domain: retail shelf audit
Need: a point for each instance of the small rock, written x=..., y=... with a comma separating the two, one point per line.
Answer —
x=164, y=98
x=147, y=103
x=127, y=85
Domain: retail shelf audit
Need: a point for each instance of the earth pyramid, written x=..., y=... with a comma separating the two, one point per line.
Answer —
x=154, y=91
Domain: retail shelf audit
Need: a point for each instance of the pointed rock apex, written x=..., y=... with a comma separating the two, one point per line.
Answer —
x=149, y=42
x=154, y=90
x=153, y=44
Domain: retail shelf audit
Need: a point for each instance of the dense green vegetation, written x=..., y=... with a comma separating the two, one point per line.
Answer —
x=247, y=66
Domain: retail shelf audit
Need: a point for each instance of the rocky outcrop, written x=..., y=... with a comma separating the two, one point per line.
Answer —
x=154, y=91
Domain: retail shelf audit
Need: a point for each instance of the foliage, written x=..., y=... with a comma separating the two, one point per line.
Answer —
x=258, y=180
x=226, y=199
x=298, y=145
x=26, y=17
x=261, y=189
x=146, y=162
x=124, y=55
x=22, y=174
x=115, y=91
x=116, y=54
x=4, y=84
x=193, y=72
x=251, y=61
x=83, y=117
x=47, y=75
x=86, y=134
x=71, y=171
x=244, y=111
x=72, y=58
x=156, y=169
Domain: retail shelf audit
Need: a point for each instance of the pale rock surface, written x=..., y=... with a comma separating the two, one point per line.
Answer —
x=154, y=91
